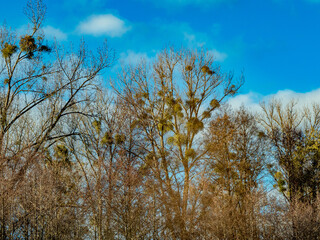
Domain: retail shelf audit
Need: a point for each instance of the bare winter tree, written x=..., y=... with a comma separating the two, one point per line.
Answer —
x=232, y=201
x=41, y=86
x=171, y=101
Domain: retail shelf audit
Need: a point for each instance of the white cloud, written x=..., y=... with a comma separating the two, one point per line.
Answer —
x=251, y=100
x=199, y=42
x=103, y=25
x=218, y=56
x=54, y=33
x=189, y=37
x=193, y=40
x=132, y=58
x=50, y=32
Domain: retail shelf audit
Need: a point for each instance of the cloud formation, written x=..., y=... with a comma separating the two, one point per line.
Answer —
x=218, y=56
x=194, y=41
x=252, y=100
x=54, y=33
x=103, y=25
x=132, y=58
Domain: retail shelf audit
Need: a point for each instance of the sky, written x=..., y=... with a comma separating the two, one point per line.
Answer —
x=275, y=43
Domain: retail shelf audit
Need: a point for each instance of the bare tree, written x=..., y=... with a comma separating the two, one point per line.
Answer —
x=41, y=87
x=236, y=159
x=171, y=101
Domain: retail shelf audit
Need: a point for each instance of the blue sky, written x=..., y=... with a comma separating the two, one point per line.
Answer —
x=276, y=43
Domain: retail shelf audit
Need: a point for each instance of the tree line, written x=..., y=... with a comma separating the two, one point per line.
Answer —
x=156, y=155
